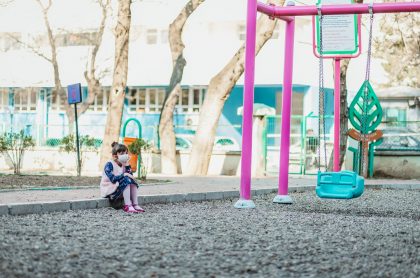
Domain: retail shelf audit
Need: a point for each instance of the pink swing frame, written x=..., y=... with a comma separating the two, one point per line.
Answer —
x=288, y=14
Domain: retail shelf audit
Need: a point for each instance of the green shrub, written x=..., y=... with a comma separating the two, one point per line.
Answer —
x=138, y=147
x=13, y=145
x=86, y=143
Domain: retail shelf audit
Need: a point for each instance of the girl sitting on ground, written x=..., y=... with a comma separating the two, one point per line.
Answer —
x=118, y=179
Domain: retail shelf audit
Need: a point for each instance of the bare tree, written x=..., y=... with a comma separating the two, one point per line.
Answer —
x=58, y=88
x=117, y=94
x=398, y=46
x=4, y=3
x=344, y=109
x=218, y=91
x=344, y=115
x=166, y=122
x=91, y=76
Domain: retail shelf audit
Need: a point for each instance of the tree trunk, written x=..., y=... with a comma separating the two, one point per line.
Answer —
x=94, y=86
x=117, y=94
x=218, y=91
x=166, y=121
x=344, y=115
x=57, y=81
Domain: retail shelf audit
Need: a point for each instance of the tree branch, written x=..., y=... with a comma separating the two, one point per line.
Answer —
x=31, y=47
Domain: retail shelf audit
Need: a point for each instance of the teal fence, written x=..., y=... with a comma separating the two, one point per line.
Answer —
x=305, y=148
x=304, y=144
x=51, y=135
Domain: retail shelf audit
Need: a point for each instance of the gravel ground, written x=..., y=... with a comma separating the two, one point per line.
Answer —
x=377, y=235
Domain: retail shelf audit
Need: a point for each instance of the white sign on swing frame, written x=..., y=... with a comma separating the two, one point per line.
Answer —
x=341, y=36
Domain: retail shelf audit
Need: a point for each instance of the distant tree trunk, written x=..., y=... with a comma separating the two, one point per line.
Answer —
x=94, y=85
x=117, y=94
x=344, y=115
x=344, y=119
x=58, y=88
x=166, y=122
x=218, y=91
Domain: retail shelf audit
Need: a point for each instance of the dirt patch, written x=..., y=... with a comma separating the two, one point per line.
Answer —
x=31, y=181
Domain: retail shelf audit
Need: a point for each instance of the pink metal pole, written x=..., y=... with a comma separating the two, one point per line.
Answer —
x=336, y=166
x=286, y=109
x=274, y=11
x=245, y=191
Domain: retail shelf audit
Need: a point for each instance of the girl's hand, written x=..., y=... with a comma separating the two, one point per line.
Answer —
x=129, y=175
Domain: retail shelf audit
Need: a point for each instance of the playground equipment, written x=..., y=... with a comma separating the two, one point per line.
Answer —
x=343, y=184
x=134, y=159
x=339, y=185
x=287, y=14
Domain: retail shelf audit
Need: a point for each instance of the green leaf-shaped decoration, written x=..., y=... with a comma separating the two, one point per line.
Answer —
x=365, y=114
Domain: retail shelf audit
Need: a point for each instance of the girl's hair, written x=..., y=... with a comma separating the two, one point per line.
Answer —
x=118, y=148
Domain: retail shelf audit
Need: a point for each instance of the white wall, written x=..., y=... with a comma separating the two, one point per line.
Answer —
x=210, y=36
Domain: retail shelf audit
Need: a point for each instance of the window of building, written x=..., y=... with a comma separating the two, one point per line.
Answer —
x=100, y=103
x=25, y=99
x=164, y=36
x=242, y=32
x=156, y=98
x=137, y=100
x=41, y=40
x=151, y=36
x=76, y=39
x=191, y=99
x=149, y=100
x=10, y=41
x=184, y=100
x=297, y=103
x=57, y=102
x=4, y=99
x=395, y=115
x=198, y=98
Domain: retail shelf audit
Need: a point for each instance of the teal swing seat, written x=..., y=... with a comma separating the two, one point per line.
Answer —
x=339, y=185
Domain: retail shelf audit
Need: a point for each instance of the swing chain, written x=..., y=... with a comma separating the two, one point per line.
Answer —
x=369, y=53
x=365, y=95
x=321, y=100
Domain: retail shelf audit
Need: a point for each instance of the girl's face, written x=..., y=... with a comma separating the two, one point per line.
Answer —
x=115, y=156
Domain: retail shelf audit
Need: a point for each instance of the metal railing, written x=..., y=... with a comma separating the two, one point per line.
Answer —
x=305, y=146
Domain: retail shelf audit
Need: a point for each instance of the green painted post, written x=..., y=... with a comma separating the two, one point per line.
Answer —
x=355, y=158
x=365, y=114
x=371, y=155
x=264, y=141
x=140, y=135
x=303, y=145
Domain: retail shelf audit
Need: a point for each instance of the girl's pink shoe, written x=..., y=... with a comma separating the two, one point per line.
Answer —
x=138, y=208
x=129, y=209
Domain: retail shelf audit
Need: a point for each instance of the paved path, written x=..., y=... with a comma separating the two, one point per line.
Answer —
x=180, y=189
x=179, y=185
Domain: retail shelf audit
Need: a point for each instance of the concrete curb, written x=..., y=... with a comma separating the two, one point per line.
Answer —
x=57, y=206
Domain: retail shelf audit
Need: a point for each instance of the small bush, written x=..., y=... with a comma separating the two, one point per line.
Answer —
x=138, y=147
x=14, y=145
x=86, y=143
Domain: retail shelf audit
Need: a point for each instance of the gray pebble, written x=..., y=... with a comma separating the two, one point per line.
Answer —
x=376, y=235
